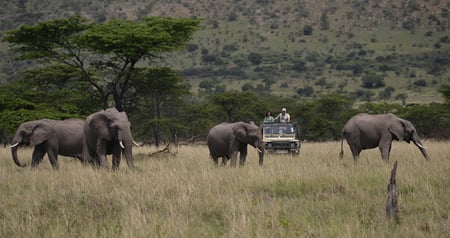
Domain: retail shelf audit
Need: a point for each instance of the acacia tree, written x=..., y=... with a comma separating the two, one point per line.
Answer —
x=237, y=106
x=104, y=54
x=161, y=91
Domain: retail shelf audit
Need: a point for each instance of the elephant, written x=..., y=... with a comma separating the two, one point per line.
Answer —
x=366, y=131
x=227, y=139
x=51, y=137
x=108, y=132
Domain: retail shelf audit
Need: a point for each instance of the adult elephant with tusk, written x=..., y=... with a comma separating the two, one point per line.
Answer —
x=366, y=131
x=51, y=137
x=108, y=132
x=227, y=139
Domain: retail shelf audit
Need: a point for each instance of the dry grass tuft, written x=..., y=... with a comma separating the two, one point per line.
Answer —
x=182, y=194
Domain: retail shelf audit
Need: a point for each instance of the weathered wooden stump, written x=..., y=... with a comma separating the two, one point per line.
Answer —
x=392, y=198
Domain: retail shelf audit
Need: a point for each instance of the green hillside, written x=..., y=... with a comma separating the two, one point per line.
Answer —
x=398, y=49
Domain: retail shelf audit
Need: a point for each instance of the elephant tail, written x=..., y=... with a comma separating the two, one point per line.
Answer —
x=341, y=154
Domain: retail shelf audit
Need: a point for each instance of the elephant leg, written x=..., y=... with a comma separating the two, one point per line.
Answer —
x=356, y=156
x=215, y=159
x=94, y=160
x=385, y=149
x=37, y=157
x=130, y=162
x=116, y=154
x=53, y=157
x=225, y=160
x=242, y=155
x=101, y=154
x=233, y=159
x=355, y=152
x=81, y=159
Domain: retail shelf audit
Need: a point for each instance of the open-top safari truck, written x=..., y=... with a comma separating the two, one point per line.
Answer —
x=280, y=138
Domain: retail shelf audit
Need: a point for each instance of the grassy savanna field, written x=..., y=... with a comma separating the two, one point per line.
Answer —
x=185, y=195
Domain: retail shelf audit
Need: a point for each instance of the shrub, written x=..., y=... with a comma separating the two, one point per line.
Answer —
x=420, y=83
x=307, y=30
x=247, y=87
x=255, y=58
x=372, y=81
x=307, y=91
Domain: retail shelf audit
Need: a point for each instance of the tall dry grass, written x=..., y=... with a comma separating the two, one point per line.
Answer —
x=184, y=195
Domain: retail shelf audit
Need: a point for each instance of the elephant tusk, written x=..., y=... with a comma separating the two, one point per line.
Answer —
x=420, y=145
x=136, y=143
x=12, y=146
x=260, y=151
x=121, y=145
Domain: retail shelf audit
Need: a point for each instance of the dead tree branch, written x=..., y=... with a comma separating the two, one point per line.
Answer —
x=167, y=150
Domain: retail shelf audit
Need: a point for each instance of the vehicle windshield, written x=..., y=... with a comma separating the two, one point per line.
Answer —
x=278, y=128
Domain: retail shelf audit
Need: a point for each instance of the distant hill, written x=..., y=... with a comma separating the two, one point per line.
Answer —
x=369, y=50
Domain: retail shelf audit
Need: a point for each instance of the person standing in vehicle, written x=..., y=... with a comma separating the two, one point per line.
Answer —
x=269, y=118
x=283, y=116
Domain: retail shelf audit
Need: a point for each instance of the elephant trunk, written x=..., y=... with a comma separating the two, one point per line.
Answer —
x=260, y=150
x=421, y=148
x=126, y=143
x=416, y=139
x=129, y=155
x=14, y=155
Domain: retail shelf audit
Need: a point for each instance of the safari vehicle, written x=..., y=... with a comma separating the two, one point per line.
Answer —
x=280, y=138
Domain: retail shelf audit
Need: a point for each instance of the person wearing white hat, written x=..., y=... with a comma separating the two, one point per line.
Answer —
x=283, y=116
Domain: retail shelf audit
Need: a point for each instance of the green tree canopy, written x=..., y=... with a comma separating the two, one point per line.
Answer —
x=161, y=91
x=322, y=119
x=238, y=106
x=105, y=54
x=22, y=101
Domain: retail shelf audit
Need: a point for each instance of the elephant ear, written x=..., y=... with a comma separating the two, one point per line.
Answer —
x=240, y=132
x=99, y=123
x=397, y=128
x=41, y=133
